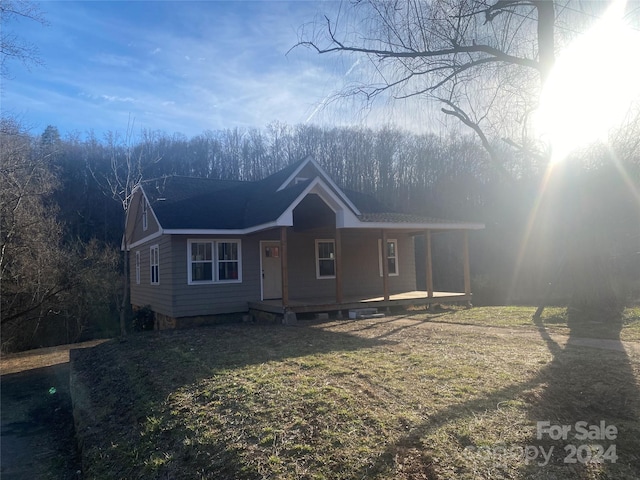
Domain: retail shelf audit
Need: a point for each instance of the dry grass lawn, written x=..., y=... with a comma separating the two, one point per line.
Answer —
x=432, y=395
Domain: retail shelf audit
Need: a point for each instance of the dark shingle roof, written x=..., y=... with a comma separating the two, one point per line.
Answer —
x=200, y=203
x=187, y=203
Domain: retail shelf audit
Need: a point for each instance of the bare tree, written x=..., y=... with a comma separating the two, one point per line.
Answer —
x=31, y=260
x=128, y=162
x=483, y=61
x=12, y=46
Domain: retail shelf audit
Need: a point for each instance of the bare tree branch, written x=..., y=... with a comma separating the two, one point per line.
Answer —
x=12, y=46
x=434, y=49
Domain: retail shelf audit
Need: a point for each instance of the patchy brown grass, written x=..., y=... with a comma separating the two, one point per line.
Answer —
x=431, y=395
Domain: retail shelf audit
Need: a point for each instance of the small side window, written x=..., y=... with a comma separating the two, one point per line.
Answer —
x=154, y=261
x=325, y=259
x=137, y=268
x=390, y=256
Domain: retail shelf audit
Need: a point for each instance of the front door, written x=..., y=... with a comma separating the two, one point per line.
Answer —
x=271, y=270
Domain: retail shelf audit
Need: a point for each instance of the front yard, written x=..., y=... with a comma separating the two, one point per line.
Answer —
x=474, y=394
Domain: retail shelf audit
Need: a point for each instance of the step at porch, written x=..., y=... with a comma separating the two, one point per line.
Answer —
x=359, y=313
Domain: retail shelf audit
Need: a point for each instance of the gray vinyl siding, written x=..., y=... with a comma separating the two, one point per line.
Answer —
x=360, y=265
x=215, y=298
x=158, y=297
x=302, y=265
x=174, y=296
x=134, y=229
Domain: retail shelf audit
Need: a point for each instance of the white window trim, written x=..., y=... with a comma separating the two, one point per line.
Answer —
x=214, y=260
x=145, y=214
x=381, y=254
x=138, y=267
x=151, y=264
x=325, y=240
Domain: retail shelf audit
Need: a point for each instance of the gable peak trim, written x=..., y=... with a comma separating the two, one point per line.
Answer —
x=326, y=179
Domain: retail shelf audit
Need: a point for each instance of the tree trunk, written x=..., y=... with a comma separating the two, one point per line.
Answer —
x=125, y=295
x=546, y=41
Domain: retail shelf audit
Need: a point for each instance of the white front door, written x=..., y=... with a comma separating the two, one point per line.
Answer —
x=271, y=270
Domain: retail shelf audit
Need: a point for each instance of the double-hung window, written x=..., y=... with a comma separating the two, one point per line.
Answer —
x=138, y=268
x=325, y=259
x=154, y=262
x=390, y=256
x=212, y=261
x=202, y=262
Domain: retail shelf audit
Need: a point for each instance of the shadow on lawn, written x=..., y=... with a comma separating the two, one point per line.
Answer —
x=409, y=318
x=127, y=411
x=580, y=384
x=590, y=381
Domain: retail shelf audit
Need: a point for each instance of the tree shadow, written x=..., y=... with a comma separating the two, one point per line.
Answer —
x=589, y=384
x=594, y=384
x=121, y=394
x=411, y=317
x=579, y=384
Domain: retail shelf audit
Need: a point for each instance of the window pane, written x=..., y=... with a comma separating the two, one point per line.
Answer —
x=227, y=251
x=391, y=249
x=201, y=251
x=201, y=271
x=392, y=266
x=326, y=268
x=325, y=250
x=272, y=252
x=228, y=271
x=154, y=260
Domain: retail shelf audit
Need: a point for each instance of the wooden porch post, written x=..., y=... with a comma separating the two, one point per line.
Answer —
x=467, y=270
x=284, y=266
x=385, y=266
x=338, y=265
x=429, y=265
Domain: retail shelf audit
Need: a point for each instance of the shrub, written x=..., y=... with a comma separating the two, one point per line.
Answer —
x=143, y=319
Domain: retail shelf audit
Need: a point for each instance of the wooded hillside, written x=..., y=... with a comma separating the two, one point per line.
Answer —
x=577, y=226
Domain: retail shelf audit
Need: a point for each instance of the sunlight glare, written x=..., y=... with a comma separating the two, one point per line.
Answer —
x=592, y=85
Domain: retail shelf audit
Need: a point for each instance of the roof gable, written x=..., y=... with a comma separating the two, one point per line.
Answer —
x=190, y=205
x=308, y=168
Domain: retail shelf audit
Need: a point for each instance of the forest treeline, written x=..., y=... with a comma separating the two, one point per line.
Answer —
x=61, y=207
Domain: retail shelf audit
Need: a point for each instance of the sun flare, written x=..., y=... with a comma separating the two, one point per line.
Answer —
x=592, y=85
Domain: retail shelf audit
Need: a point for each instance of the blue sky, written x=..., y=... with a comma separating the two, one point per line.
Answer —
x=181, y=67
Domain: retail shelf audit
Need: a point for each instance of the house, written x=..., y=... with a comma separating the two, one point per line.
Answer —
x=290, y=243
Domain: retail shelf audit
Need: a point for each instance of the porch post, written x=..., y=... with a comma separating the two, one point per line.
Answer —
x=338, y=265
x=429, y=265
x=467, y=270
x=385, y=266
x=284, y=264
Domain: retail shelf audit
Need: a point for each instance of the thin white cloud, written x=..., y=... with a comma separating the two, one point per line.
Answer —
x=113, y=60
x=237, y=71
x=115, y=98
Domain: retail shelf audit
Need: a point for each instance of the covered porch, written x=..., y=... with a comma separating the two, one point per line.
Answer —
x=380, y=293
x=330, y=304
